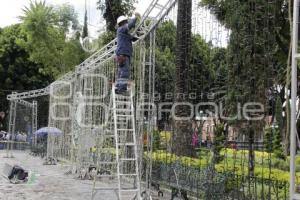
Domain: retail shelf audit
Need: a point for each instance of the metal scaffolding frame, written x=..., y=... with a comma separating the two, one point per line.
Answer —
x=71, y=93
x=12, y=120
x=85, y=82
x=34, y=121
x=294, y=88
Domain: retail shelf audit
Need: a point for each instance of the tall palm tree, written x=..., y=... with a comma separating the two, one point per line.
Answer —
x=38, y=16
x=183, y=134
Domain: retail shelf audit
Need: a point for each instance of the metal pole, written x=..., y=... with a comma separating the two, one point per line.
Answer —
x=50, y=120
x=12, y=133
x=294, y=97
x=34, y=122
x=11, y=108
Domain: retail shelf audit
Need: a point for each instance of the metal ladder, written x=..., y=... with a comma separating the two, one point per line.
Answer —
x=122, y=164
x=126, y=146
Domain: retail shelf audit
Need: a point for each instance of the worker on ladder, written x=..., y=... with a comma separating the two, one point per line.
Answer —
x=124, y=51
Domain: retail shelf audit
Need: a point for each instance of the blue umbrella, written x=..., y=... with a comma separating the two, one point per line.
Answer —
x=48, y=130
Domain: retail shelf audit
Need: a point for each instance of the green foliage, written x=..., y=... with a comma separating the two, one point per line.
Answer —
x=280, y=164
x=257, y=48
x=268, y=139
x=236, y=166
x=207, y=68
x=44, y=41
x=38, y=17
x=106, y=37
x=156, y=140
x=277, y=146
x=201, y=74
x=112, y=9
x=218, y=143
x=165, y=157
x=36, y=51
x=165, y=58
x=45, y=29
x=17, y=71
x=85, y=31
x=278, y=113
x=66, y=17
x=166, y=36
x=273, y=142
x=72, y=54
x=165, y=65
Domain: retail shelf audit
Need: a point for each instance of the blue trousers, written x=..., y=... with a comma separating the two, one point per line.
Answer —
x=123, y=75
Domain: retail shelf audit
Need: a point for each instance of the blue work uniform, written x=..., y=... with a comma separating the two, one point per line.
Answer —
x=124, y=51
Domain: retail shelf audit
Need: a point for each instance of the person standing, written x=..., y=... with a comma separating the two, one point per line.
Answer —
x=124, y=51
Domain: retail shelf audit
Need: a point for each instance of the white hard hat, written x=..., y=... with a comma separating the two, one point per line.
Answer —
x=121, y=19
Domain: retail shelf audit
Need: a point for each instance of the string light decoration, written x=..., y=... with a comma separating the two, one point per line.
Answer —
x=229, y=64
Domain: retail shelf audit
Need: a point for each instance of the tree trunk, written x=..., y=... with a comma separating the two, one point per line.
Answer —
x=251, y=163
x=182, y=137
x=111, y=20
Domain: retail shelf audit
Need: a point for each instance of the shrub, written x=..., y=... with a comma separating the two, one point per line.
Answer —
x=278, y=150
x=268, y=139
x=218, y=143
x=156, y=140
x=230, y=165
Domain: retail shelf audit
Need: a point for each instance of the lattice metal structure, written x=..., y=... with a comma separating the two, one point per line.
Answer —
x=205, y=24
x=79, y=101
x=103, y=134
x=22, y=123
x=60, y=112
x=86, y=94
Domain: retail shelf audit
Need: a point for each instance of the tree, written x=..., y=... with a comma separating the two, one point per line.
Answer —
x=35, y=52
x=268, y=140
x=156, y=140
x=85, y=32
x=252, y=55
x=165, y=73
x=200, y=74
x=277, y=146
x=66, y=17
x=72, y=55
x=278, y=113
x=258, y=47
x=17, y=71
x=166, y=36
x=165, y=59
x=112, y=9
x=218, y=143
x=207, y=73
x=183, y=134
x=46, y=38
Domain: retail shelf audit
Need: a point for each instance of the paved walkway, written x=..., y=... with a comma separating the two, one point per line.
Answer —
x=50, y=184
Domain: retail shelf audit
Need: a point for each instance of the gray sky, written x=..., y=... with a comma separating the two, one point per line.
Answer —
x=11, y=9
x=206, y=25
